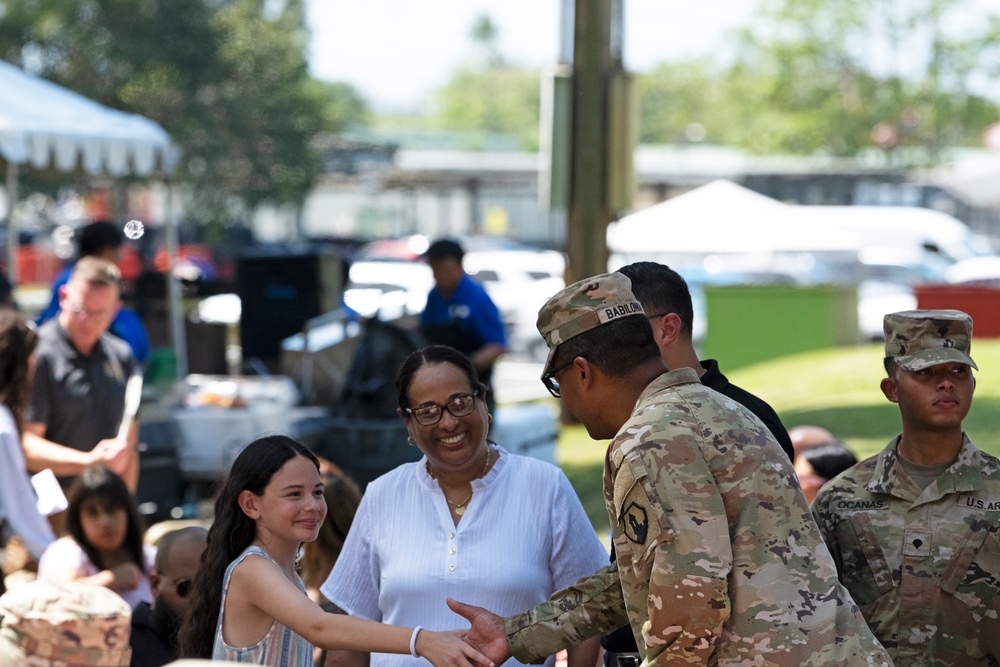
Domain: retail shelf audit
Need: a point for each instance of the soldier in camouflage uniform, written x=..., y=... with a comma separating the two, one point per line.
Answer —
x=69, y=624
x=719, y=560
x=915, y=530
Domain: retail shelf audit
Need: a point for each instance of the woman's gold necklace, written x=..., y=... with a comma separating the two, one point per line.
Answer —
x=460, y=507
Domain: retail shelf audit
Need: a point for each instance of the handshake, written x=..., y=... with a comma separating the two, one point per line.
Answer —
x=486, y=634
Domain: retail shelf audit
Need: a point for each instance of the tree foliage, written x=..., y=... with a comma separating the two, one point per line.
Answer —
x=839, y=78
x=498, y=100
x=682, y=102
x=485, y=34
x=227, y=80
x=486, y=95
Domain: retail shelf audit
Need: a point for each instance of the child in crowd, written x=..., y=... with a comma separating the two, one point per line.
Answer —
x=248, y=603
x=104, y=545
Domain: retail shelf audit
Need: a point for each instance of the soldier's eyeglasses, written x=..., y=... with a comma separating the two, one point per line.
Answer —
x=431, y=413
x=549, y=379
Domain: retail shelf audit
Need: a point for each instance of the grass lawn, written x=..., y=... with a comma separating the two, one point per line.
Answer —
x=837, y=389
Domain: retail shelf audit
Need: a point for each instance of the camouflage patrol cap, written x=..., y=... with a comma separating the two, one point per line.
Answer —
x=917, y=339
x=64, y=625
x=585, y=305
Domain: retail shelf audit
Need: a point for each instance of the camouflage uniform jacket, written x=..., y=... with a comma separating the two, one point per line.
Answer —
x=719, y=560
x=923, y=566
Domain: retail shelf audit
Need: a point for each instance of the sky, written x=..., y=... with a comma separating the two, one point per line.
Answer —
x=395, y=52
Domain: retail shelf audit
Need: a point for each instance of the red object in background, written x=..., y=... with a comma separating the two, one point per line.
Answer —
x=388, y=249
x=98, y=204
x=129, y=262
x=982, y=303
x=194, y=254
x=37, y=266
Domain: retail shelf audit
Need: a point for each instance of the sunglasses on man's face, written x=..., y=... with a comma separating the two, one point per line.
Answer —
x=183, y=587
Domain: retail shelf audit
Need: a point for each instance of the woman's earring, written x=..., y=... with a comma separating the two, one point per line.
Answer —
x=413, y=443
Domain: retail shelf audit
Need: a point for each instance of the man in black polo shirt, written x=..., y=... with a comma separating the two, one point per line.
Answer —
x=665, y=297
x=81, y=371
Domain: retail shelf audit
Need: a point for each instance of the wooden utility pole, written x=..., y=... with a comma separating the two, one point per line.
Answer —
x=589, y=212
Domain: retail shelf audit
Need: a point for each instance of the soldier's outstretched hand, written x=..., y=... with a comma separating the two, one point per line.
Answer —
x=487, y=633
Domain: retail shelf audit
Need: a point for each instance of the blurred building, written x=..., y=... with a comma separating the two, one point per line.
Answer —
x=375, y=189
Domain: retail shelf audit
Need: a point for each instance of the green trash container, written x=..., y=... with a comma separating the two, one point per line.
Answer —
x=748, y=324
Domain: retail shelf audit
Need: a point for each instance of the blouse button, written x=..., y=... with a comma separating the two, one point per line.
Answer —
x=452, y=568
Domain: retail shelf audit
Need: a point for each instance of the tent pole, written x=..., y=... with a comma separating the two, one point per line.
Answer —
x=175, y=305
x=11, y=231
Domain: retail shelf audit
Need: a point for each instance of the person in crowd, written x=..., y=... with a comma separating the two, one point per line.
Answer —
x=666, y=299
x=70, y=624
x=102, y=239
x=460, y=314
x=719, y=561
x=805, y=436
x=78, y=400
x=914, y=529
x=343, y=496
x=248, y=603
x=819, y=457
x=104, y=545
x=155, y=626
x=444, y=526
x=7, y=294
x=18, y=507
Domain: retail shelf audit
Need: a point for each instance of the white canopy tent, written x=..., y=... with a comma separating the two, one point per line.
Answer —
x=44, y=125
x=722, y=217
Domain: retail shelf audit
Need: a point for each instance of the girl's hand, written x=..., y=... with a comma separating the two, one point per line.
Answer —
x=448, y=649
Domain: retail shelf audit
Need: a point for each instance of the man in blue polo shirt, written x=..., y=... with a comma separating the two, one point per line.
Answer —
x=460, y=313
x=102, y=239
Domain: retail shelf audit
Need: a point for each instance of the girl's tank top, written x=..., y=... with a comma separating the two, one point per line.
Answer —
x=280, y=647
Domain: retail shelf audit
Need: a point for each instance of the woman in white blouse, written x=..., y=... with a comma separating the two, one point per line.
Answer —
x=469, y=521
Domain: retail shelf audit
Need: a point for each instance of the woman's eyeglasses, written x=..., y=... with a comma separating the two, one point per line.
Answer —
x=431, y=413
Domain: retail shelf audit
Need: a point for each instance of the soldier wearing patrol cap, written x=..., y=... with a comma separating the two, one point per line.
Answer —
x=915, y=530
x=719, y=560
x=64, y=625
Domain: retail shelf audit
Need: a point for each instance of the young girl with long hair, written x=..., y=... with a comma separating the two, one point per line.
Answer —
x=104, y=546
x=248, y=604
